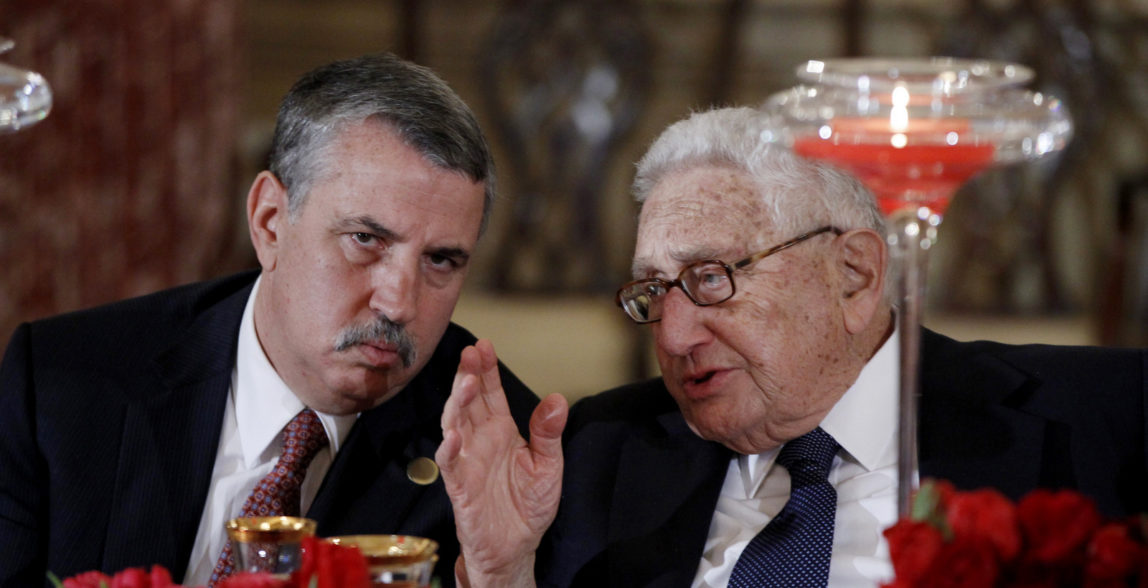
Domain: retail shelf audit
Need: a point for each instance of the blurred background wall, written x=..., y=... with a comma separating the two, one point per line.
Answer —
x=164, y=109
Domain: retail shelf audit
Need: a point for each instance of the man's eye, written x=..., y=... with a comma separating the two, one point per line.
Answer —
x=442, y=261
x=363, y=238
x=712, y=278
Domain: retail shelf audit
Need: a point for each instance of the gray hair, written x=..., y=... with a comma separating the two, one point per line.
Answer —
x=800, y=193
x=419, y=106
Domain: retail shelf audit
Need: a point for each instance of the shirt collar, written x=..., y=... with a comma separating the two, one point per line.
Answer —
x=864, y=420
x=263, y=402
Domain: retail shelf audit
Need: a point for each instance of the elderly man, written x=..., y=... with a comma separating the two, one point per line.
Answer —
x=132, y=432
x=765, y=455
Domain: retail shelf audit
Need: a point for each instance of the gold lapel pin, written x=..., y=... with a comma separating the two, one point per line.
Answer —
x=422, y=471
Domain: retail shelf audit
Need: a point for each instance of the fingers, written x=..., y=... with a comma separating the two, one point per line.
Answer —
x=486, y=352
x=448, y=451
x=491, y=390
x=546, y=425
x=477, y=378
x=463, y=392
x=460, y=578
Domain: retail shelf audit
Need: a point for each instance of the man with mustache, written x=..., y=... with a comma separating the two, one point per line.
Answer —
x=132, y=432
x=762, y=278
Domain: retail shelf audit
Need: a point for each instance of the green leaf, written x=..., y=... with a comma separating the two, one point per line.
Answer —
x=926, y=508
x=925, y=501
x=55, y=580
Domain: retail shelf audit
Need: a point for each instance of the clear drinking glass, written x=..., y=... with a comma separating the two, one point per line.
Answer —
x=25, y=96
x=914, y=130
x=268, y=544
x=395, y=560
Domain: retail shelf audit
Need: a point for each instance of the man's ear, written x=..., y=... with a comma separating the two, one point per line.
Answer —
x=861, y=262
x=266, y=215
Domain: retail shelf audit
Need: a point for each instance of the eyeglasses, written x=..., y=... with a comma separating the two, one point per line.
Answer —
x=705, y=282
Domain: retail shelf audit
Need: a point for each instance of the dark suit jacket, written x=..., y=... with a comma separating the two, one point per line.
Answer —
x=110, y=421
x=640, y=488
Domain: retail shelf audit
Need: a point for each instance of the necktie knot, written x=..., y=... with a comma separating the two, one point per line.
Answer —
x=809, y=457
x=303, y=437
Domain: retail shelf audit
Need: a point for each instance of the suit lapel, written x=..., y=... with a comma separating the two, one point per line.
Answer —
x=369, y=462
x=663, y=501
x=974, y=431
x=367, y=489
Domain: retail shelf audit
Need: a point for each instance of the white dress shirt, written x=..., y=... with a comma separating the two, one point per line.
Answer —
x=864, y=472
x=258, y=407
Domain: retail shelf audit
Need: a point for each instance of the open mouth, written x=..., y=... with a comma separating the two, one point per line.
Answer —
x=703, y=378
x=703, y=384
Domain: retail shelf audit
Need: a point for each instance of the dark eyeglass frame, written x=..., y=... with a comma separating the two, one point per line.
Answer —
x=729, y=268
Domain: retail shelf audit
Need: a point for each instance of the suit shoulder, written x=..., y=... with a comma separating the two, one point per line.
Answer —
x=144, y=322
x=1061, y=375
x=632, y=403
x=1037, y=358
x=177, y=301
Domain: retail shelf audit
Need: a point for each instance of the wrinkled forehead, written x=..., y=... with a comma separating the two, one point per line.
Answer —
x=699, y=213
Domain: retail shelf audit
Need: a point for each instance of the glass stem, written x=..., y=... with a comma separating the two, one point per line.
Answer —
x=912, y=232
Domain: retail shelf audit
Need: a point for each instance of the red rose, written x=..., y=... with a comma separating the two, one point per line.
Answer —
x=1113, y=554
x=87, y=580
x=964, y=563
x=986, y=516
x=898, y=583
x=330, y=566
x=131, y=578
x=1056, y=525
x=913, y=546
x=161, y=578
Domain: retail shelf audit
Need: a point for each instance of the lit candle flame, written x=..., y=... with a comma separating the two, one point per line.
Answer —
x=899, y=116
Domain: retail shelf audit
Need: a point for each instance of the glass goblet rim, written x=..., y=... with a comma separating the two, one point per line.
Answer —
x=936, y=75
x=390, y=549
x=270, y=529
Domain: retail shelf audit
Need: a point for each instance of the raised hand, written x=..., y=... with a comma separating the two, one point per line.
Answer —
x=504, y=490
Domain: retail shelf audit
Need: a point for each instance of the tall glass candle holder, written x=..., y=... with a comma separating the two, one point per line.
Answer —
x=25, y=96
x=914, y=130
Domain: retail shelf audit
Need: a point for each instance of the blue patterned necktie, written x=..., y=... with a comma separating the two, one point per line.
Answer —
x=794, y=548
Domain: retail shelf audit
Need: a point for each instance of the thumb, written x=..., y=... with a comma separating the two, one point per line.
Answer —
x=546, y=425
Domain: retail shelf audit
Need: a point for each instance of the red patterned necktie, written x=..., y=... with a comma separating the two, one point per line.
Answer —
x=278, y=493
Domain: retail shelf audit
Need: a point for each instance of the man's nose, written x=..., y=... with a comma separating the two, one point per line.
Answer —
x=681, y=328
x=395, y=290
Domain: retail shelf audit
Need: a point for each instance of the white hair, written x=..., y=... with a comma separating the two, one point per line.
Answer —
x=800, y=194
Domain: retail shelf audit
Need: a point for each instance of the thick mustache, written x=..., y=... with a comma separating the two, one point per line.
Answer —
x=383, y=330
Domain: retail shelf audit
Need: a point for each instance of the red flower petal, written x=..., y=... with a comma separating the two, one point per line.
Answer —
x=986, y=516
x=1056, y=525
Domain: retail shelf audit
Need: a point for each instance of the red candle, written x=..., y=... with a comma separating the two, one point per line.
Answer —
x=909, y=175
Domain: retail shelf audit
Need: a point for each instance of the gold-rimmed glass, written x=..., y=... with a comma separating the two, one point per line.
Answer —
x=402, y=561
x=268, y=544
